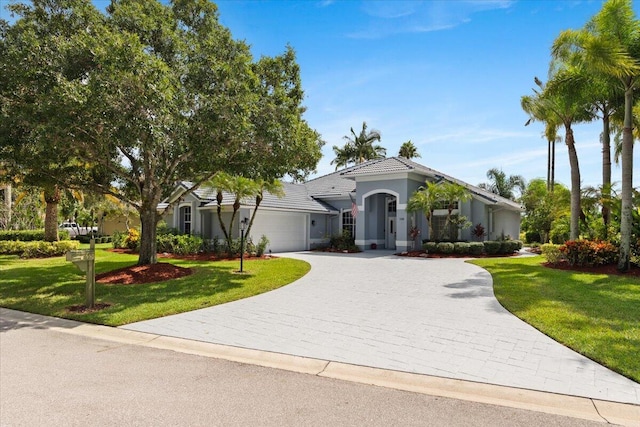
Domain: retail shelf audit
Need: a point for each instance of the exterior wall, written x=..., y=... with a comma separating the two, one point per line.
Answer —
x=479, y=215
x=505, y=223
x=319, y=230
x=119, y=223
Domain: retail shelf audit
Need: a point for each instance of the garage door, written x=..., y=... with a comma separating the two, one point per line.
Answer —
x=285, y=231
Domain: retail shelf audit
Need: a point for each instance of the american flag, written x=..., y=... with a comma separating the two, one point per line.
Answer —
x=354, y=210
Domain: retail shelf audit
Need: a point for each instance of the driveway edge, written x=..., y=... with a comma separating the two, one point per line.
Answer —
x=556, y=404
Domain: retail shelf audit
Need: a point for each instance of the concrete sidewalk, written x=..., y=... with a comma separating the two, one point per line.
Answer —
x=436, y=317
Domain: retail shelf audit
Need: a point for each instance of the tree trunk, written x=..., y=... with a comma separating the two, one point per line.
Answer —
x=575, y=183
x=549, y=144
x=148, y=244
x=51, y=198
x=553, y=165
x=627, y=181
x=606, y=171
x=7, y=203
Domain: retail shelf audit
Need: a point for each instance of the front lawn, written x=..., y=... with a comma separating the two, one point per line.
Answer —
x=596, y=315
x=50, y=286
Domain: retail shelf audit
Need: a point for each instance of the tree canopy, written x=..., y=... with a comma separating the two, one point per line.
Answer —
x=359, y=148
x=143, y=96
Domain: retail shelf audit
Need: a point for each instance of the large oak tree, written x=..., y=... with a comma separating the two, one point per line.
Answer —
x=145, y=95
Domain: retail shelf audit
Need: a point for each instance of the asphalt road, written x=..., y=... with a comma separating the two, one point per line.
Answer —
x=52, y=378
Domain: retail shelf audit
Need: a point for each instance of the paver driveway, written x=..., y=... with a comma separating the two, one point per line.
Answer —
x=428, y=316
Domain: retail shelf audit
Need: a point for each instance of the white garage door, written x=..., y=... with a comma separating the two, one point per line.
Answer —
x=286, y=231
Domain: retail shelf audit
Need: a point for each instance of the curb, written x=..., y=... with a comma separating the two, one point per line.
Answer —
x=557, y=404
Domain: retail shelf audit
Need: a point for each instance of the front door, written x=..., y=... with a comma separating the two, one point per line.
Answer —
x=391, y=232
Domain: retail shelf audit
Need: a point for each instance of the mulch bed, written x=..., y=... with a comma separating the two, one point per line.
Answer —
x=82, y=309
x=611, y=269
x=138, y=274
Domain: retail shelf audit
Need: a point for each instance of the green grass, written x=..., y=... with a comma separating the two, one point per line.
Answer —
x=596, y=315
x=50, y=286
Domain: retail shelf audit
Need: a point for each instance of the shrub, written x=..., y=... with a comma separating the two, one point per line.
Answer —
x=262, y=245
x=118, y=239
x=478, y=231
x=29, y=235
x=476, y=248
x=551, y=253
x=430, y=247
x=461, y=247
x=492, y=247
x=532, y=237
x=587, y=253
x=179, y=244
x=38, y=249
x=342, y=241
x=445, y=247
x=510, y=246
x=132, y=239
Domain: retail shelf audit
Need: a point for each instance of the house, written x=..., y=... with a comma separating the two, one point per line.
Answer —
x=376, y=191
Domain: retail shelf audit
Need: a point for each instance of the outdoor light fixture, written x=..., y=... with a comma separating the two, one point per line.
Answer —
x=243, y=227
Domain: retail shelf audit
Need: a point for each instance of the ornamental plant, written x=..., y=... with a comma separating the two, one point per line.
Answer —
x=588, y=253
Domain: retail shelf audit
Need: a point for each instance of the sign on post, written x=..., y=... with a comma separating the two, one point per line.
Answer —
x=85, y=261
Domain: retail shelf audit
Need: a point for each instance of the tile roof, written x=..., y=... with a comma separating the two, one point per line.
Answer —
x=295, y=198
x=400, y=164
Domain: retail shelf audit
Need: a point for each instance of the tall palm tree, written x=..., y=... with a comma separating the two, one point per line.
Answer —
x=538, y=110
x=359, y=148
x=408, y=150
x=502, y=185
x=563, y=99
x=609, y=44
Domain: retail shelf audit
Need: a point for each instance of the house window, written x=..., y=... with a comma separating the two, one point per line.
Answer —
x=442, y=231
x=444, y=204
x=391, y=206
x=186, y=220
x=349, y=223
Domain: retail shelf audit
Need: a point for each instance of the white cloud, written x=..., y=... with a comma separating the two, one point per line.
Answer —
x=399, y=17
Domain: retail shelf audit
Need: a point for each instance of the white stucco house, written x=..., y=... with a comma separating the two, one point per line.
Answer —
x=311, y=212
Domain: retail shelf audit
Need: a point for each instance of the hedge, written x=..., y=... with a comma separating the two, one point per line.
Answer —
x=29, y=235
x=38, y=249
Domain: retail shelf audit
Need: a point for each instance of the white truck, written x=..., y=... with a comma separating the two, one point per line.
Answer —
x=75, y=230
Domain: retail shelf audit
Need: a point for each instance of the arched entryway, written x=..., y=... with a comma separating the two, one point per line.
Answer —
x=379, y=220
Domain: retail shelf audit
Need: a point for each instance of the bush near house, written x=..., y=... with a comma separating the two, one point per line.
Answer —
x=29, y=235
x=461, y=248
x=490, y=247
x=445, y=247
x=476, y=248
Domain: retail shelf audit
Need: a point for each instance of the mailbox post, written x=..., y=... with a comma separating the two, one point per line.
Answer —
x=85, y=261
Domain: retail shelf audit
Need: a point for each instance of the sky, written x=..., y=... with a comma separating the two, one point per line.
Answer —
x=447, y=75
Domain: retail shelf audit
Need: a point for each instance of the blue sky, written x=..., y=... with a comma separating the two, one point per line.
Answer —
x=447, y=75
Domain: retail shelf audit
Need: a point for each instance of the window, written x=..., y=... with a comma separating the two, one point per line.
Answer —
x=349, y=223
x=444, y=204
x=440, y=229
x=391, y=207
x=186, y=219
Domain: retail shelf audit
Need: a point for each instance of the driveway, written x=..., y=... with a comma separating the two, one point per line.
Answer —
x=429, y=316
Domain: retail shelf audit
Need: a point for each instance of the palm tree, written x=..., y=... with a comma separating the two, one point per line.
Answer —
x=563, y=100
x=408, y=150
x=610, y=45
x=452, y=193
x=359, y=148
x=502, y=185
x=425, y=200
x=240, y=187
x=538, y=110
x=272, y=187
